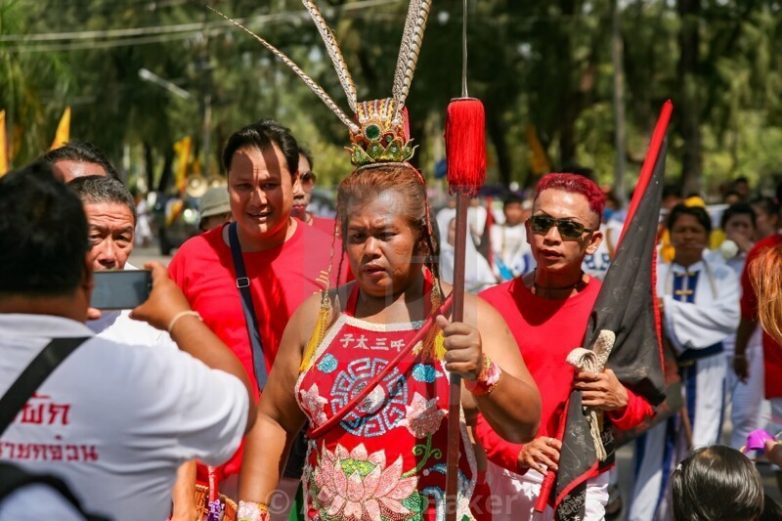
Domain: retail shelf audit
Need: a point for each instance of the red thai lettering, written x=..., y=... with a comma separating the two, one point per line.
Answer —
x=71, y=453
x=32, y=413
x=60, y=410
x=89, y=452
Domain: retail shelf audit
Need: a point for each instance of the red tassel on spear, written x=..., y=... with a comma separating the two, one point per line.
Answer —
x=466, y=156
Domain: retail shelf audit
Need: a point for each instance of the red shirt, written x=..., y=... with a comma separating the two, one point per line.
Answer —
x=324, y=224
x=280, y=280
x=772, y=352
x=546, y=331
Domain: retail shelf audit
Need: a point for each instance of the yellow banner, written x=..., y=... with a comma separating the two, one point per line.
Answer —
x=183, y=149
x=63, y=134
x=3, y=145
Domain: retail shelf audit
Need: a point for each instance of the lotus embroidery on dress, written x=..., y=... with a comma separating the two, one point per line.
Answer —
x=357, y=486
x=422, y=416
x=313, y=403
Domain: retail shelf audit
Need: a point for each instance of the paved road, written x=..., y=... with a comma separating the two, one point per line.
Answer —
x=142, y=255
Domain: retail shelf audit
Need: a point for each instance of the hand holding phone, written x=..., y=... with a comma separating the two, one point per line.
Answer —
x=165, y=300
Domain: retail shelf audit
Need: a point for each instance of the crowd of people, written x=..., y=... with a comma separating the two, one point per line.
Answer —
x=285, y=355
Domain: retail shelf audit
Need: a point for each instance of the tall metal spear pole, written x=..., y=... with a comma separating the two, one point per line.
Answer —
x=466, y=157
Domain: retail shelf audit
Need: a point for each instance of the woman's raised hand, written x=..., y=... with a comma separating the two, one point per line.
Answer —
x=464, y=352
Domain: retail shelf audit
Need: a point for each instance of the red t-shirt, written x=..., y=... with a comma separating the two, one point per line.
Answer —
x=323, y=224
x=546, y=331
x=280, y=280
x=772, y=352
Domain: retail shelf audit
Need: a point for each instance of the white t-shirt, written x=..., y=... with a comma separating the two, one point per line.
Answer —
x=115, y=421
x=117, y=326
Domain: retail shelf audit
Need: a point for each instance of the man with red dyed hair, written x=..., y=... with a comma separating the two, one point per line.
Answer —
x=547, y=311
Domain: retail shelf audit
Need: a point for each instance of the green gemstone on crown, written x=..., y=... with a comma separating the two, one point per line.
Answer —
x=372, y=132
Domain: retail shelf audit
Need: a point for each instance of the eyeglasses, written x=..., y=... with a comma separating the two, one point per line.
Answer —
x=307, y=177
x=568, y=229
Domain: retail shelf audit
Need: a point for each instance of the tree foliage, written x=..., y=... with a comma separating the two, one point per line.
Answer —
x=545, y=63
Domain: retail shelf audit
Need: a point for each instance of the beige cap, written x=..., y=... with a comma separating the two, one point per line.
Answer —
x=214, y=202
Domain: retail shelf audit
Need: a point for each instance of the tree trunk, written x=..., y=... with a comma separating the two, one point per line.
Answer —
x=497, y=132
x=149, y=165
x=689, y=99
x=166, y=173
x=570, y=96
x=619, y=105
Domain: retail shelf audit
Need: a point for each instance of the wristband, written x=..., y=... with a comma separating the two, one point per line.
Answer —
x=487, y=379
x=188, y=313
x=252, y=511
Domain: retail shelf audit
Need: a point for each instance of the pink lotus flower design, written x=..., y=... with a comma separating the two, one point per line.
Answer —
x=422, y=417
x=313, y=404
x=357, y=486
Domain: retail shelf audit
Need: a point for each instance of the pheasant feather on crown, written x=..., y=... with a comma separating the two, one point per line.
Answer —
x=378, y=131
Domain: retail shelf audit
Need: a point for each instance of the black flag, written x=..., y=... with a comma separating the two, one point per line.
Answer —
x=626, y=305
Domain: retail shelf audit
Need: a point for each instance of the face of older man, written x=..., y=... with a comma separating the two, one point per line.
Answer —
x=68, y=169
x=112, y=231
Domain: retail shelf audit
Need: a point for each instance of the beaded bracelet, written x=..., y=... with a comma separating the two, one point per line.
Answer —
x=252, y=511
x=487, y=380
x=188, y=313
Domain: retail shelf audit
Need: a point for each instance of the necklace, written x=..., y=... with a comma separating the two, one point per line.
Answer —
x=568, y=287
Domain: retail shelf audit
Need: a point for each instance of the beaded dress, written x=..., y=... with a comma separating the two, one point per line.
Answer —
x=386, y=459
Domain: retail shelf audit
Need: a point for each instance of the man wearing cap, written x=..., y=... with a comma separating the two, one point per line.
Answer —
x=215, y=208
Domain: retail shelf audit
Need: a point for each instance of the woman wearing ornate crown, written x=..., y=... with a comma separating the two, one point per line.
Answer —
x=366, y=366
x=386, y=456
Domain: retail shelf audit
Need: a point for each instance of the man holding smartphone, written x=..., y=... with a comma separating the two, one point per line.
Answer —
x=117, y=419
x=111, y=217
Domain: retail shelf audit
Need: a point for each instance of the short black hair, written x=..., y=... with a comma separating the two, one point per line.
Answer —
x=83, y=152
x=263, y=135
x=512, y=198
x=43, y=234
x=102, y=189
x=737, y=209
x=716, y=483
x=698, y=212
x=768, y=204
x=307, y=155
x=672, y=190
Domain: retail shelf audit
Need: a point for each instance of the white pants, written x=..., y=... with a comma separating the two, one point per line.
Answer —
x=513, y=496
x=746, y=398
x=663, y=446
x=771, y=416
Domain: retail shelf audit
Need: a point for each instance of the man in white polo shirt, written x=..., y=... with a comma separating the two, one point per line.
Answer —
x=111, y=218
x=114, y=420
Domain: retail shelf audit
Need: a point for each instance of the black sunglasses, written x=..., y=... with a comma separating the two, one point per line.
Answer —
x=568, y=229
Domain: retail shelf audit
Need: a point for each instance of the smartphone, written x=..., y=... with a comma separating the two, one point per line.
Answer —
x=120, y=289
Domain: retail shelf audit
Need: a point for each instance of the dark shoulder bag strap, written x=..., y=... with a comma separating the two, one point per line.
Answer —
x=243, y=283
x=13, y=478
x=34, y=375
